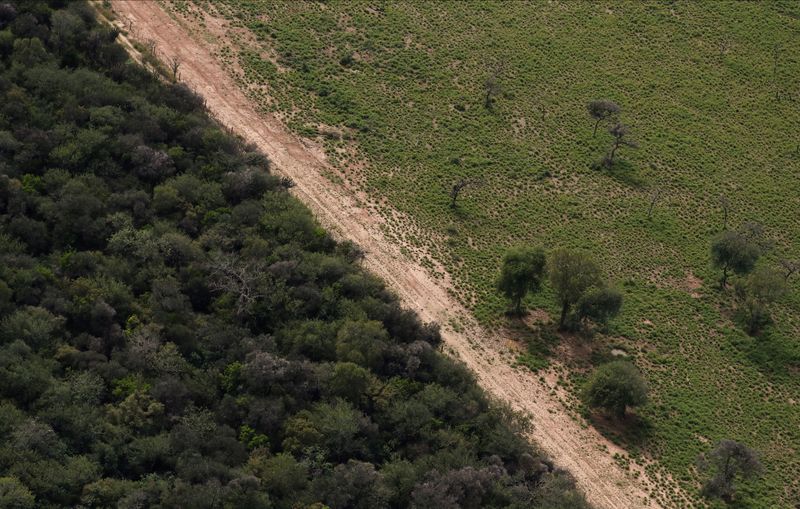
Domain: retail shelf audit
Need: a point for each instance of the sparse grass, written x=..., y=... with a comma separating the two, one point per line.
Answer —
x=531, y=361
x=697, y=83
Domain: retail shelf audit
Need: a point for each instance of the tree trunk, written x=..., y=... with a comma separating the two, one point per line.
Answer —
x=594, y=133
x=613, y=151
x=564, y=311
x=752, y=323
x=724, y=282
x=728, y=475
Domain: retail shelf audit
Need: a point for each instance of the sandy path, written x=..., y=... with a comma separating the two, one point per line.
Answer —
x=581, y=450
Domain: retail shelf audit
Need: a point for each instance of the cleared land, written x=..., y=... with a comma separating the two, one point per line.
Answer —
x=395, y=94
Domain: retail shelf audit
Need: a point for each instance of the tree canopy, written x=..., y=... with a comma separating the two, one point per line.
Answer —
x=601, y=109
x=727, y=463
x=615, y=386
x=736, y=251
x=580, y=289
x=755, y=295
x=522, y=272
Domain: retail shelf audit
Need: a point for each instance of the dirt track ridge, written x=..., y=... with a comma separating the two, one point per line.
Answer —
x=570, y=443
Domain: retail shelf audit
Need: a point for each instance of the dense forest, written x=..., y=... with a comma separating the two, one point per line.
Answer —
x=177, y=331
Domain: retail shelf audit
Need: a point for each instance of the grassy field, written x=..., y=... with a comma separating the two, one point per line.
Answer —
x=711, y=92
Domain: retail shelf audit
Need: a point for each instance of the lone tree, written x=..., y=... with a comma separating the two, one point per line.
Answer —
x=763, y=287
x=572, y=274
x=601, y=109
x=459, y=186
x=492, y=88
x=728, y=462
x=737, y=250
x=522, y=272
x=654, y=197
x=620, y=133
x=615, y=387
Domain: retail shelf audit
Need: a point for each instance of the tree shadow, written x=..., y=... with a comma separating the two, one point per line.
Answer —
x=632, y=431
x=740, y=504
x=543, y=342
x=621, y=171
x=538, y=339
x=771, y=354
x=461, y=214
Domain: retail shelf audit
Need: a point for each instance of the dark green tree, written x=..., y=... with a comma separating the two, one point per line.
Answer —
x=615, y=386
x=522, y=272
x=15, y=495
x=728, y=462
x=492, y=88
x=734, y=251
x=558, y=492
x=37, y=327
x=282, y=475
x=572, y=274
x=349, y=381
x=763, y=287
x=355, y=484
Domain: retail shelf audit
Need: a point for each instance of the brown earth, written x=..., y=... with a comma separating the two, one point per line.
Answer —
x=559, y=432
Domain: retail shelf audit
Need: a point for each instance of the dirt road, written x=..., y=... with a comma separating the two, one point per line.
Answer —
x=572, y=445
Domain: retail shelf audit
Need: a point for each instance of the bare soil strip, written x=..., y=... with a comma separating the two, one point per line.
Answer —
x=566, y=439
